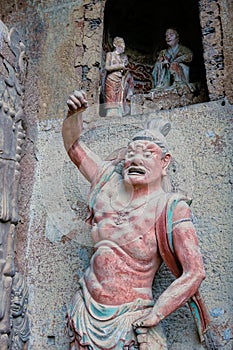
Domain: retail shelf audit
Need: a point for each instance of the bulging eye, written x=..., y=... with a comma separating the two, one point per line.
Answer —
x=130, y=154
x=147, y=154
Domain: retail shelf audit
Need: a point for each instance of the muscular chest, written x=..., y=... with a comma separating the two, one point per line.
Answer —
x=130, y=224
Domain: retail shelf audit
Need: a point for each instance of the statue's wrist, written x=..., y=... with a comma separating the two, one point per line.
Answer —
x=159, y=316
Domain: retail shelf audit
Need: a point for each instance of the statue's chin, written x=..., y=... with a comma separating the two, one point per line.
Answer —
x=135, y=179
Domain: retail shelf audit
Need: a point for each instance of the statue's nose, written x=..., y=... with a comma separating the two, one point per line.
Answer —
x=16, y=300
x=137, y=160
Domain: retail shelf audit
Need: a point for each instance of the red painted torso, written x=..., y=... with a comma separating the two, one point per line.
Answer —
x=126, y=256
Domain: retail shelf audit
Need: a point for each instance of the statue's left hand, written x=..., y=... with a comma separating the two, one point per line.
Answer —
x=142, y=338
x=141, y=327
x=151, y=319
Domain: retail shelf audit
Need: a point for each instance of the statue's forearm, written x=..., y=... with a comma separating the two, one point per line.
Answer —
x=71, y=129
x=186, y=58
x=185, y=286
x=177, y=294
x=115, y=67
x=188, y=254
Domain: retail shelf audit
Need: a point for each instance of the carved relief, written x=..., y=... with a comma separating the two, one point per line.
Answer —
x=13, y=66
x=19, y=320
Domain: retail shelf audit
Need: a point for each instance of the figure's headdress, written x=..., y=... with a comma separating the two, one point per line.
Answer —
x=155, y=131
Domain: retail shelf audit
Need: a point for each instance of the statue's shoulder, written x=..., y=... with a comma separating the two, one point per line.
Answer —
x=109, y=54
x=184, y=49
x=163, y=52
x=103, y=176
x=105, y=171
x=173, y=198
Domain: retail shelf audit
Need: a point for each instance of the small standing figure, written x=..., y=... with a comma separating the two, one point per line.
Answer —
x=172, y=65
x=119, y=81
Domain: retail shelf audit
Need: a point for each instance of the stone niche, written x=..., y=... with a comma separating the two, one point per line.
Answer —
x=200, y=26
x=143, y=29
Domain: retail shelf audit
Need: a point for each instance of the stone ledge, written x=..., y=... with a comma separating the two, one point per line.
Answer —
x=172, y=97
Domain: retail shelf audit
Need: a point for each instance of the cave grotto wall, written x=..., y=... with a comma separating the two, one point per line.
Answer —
x=63, y=41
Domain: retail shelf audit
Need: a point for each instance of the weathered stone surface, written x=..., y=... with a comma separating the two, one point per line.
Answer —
x=59, y=245
x=227, y=27
x=210, y=18
x=173, y=97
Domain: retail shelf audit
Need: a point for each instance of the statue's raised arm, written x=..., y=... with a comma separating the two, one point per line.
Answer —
x=86, y=160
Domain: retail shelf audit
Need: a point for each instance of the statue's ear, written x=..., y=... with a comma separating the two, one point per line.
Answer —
x=166, y=161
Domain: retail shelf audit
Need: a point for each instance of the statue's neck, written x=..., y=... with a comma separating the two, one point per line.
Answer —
x=142, y=191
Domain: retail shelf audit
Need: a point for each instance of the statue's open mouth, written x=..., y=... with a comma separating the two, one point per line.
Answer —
x=16, y=308
x=136, y=171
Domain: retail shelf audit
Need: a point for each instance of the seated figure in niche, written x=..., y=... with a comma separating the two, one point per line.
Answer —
x=172, y=65
x=119, y=81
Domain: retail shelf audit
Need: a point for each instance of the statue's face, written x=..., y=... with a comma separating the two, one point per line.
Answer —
x=143, y=163
x=120, y=46
x=17, y=302
x=172, y=37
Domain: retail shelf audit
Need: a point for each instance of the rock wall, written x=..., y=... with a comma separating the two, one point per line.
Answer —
x=59, y=244
x=13, y=64
x=215, y=18
x=63, y=43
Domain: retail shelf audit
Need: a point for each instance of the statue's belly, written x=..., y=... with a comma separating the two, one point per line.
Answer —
x=115, y=277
